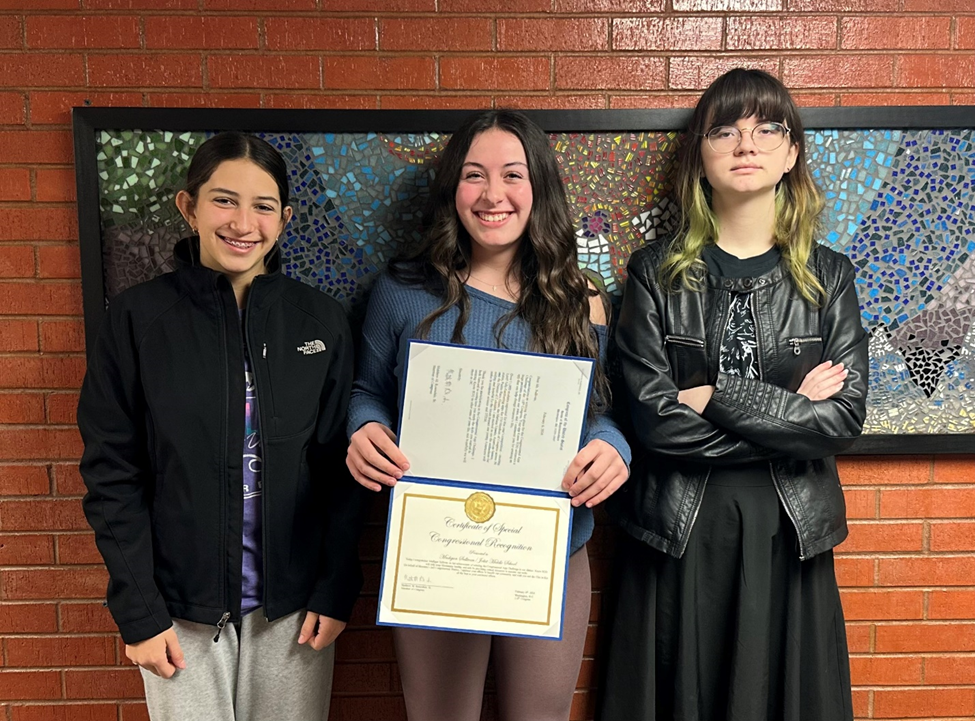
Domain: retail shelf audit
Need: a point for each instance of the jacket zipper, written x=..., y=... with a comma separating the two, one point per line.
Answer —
x=261, y=417
x=684, y=340
x=758, y=335
x=771, y=465
x=223, y=462
x=221, y=624
x=796, y=343
x=723, y=328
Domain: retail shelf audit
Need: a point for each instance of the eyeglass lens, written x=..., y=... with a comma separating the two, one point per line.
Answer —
x=767, y=136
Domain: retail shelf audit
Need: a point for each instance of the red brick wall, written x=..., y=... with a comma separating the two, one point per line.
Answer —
x=908, y=570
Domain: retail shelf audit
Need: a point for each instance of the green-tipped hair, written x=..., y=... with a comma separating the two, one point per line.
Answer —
x=737, y=94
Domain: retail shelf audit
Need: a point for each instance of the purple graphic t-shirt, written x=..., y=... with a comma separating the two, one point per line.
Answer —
x=251, y=591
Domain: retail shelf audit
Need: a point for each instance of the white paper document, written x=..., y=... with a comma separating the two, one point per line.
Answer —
x=494, y=417
x=479, y=529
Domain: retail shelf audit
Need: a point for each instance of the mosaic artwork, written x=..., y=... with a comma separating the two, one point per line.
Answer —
x=900, y=205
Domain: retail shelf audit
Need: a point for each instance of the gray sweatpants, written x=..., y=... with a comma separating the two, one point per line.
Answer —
x=264, y=675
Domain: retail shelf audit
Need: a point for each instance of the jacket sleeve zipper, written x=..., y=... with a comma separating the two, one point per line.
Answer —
x=788, y=509
x=697, y=509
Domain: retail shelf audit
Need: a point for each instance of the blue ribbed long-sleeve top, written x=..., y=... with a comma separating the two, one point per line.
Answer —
x=395, y=310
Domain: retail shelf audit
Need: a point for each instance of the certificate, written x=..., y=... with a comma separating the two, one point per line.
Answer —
x=492, y=417
x=484, y=561
x=479, y=529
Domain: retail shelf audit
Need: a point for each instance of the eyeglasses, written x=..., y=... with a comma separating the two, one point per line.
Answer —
x=766, y=136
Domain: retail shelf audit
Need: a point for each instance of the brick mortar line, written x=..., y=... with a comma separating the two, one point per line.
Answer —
x=52, y=532
x=905, y=554
x=32, y=354
x=47, y=669
x=904, y=654
x=54, y=567
x=381, y=92
x=904, y=622
x=428, y=14
x=927, y=590
x=912, y=487
x=449, y=92
x=32, y=391
x=703, y=53
x=58, y=635
x=425, y=14
x=59, y=461
x=881, y=522
x=917, y=687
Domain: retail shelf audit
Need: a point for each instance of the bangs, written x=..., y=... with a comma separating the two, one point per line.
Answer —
x=744, y=93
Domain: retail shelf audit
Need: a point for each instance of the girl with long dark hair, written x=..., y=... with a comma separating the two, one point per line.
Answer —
x=745, y=366
x=497, y=268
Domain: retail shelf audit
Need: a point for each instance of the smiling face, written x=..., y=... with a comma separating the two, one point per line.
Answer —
x=747, y=170
x=238, y=215
x=494, y=195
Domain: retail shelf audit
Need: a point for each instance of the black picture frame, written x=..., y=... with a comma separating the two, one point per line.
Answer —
x=88, y=121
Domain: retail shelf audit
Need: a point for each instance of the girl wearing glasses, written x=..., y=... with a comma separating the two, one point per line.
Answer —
x=745, y=365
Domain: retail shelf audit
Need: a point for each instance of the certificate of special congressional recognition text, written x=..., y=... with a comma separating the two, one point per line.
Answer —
x=479, y=529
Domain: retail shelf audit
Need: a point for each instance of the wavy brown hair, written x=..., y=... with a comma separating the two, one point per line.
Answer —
x=555, y=294
x=737, y=94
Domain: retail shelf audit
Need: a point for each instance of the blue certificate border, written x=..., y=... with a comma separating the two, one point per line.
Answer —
x=487, y=488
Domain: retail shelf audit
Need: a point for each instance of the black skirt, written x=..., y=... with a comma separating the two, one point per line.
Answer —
x=739, y=629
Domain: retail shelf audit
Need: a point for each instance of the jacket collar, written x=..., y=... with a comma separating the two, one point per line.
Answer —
x=197, y=277
x=746, y=285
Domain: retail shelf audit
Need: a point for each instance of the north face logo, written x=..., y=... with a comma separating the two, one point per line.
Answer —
x=310, y=347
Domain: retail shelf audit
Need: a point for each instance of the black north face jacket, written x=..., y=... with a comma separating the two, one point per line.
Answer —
x=162, y=417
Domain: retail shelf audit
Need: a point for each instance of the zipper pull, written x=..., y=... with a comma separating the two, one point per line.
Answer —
x=265, y=351
x=794, y=342
x=220, y=625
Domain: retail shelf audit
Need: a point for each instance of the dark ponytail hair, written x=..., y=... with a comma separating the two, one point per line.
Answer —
x=233, y=145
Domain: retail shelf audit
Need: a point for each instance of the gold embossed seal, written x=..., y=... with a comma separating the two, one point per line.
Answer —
x=479, y=507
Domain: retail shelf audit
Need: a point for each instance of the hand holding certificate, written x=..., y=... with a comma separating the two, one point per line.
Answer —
x=479, y=530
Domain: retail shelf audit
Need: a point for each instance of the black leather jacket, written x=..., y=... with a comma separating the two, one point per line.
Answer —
x=669, y=341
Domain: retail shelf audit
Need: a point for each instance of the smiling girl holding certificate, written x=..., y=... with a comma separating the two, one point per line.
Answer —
x=497, y=268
